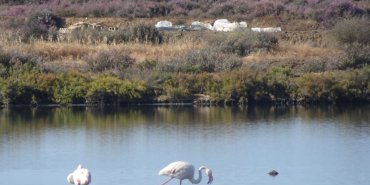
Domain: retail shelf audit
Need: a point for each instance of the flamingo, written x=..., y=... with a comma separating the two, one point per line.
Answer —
x=183, y=170
x=80, y=176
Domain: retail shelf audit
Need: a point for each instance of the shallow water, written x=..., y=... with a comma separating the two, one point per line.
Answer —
x=128, y=146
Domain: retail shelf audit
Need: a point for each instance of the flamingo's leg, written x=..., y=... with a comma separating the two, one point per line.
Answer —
x=180, y=182
x=167, y=181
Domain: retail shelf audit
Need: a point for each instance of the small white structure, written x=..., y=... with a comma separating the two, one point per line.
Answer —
x=223, y=25
x=226, y=25
x=218, y=25
x=267, y=30
x=164, y=25
x=256, y=29
x=243, y=24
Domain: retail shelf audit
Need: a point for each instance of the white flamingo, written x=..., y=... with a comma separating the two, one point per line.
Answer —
x=183, y=170
x=80, y=176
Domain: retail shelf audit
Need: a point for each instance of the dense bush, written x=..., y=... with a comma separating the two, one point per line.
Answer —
x=141, y=33
x=40, y=24
x=244, y=42
x=279, y=83
x=205, y=60
x=16, y=92
x=113, y=61
x=16, y=62
x=326, y=11
x=358, y=56
x=276, y=85
x=351, y=31
x=111, y=90
x=334, y=86
x=70, y=88
x=338, y=9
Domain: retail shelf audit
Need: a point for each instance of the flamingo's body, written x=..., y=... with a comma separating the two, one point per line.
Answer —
x=183, y=170
x=80, y=176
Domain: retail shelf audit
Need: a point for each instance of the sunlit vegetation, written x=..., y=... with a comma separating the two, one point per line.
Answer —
x=137, y=64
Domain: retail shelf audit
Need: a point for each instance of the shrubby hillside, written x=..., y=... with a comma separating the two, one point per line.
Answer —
x=320, y=10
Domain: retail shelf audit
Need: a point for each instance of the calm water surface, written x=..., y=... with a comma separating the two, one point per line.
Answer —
x=128, y=146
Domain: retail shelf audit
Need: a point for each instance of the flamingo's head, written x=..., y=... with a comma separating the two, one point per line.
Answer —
x=209, y=174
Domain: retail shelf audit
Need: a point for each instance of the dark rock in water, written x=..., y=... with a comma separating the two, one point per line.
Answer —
x=273, y=173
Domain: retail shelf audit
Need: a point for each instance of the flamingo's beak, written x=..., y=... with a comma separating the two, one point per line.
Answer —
x=210, y=177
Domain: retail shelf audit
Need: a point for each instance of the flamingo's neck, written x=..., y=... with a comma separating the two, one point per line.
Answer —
x=197, y=181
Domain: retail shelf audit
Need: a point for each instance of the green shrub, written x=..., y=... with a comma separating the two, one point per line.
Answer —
x=17, y=92
x=351, y=31
x=244, y=42
x=279, y=84
x=142, y=33
x=40, y=23
x=354, y=85
x=175, y=91
x=114, y=61
x=335, y=86
x=358, y=56
x=70, y=88
x=205, y=60
x=112, y=90
x=17, y=62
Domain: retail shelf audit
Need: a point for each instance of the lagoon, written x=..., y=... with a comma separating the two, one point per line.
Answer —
x=306, y=145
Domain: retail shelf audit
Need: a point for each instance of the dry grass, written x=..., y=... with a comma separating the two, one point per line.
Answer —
x=64, y=55
x=70, y=54
x=294, y=52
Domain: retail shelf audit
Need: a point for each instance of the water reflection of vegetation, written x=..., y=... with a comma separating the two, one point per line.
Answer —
x=111, y=118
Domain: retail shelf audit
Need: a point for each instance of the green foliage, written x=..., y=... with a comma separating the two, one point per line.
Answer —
x=244, y=42
x=279, y=83
x=206, y=60
x=114, y=61
x=335, y=86
x=176, y=90
x=17, y=92
x=358, y=56
x=40, y=24
x=112, y=90
x=70, y=88
x=351, y=31
x=16, y=62
x=144, y=33
x=353, y=86
x=275, y=85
